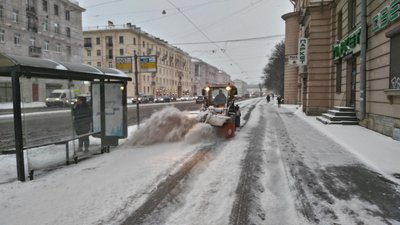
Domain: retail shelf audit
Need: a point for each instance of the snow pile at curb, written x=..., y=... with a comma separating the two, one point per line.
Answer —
x=167, y=125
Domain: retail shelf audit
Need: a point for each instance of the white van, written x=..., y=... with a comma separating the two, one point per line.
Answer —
x=61, y=97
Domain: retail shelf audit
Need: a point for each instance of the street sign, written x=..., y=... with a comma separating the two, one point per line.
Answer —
x=303, y=51
x=124, y=63
x=148, y=64
x=292, y=60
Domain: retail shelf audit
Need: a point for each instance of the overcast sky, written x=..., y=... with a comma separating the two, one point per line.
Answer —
x=199, y=21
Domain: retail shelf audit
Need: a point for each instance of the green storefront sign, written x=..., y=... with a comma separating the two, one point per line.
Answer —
x=350, y=44
x=387, y=15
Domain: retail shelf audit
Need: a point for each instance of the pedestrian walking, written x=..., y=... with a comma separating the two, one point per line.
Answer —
x=82, y=122
x=268, y=98
x=279, y=100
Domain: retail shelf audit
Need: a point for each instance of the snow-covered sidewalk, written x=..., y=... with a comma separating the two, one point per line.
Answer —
x=378, y=151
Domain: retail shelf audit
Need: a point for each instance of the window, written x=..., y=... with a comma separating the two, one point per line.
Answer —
x=44, y=5
x=32, y=41
x=339, y=77
x=339, y=25
x=98, y=53
x=134, y=41
x=58, y=48
x=45, y=25
x=2, y=33
x=121, y=51
x=99, y=64
x=110, y=54
x=67, y=15
x=56, y=28
x=143, y=44
x=109, y=41
x=15, y=16
x=352, y=6
x=110, y=65
x=1, y=11
x=17, y=39
x=89, y=52
x=46, y=45
x=69, y=51
x=97, y=41
x=5, y=92
x=68, y=31
x=89, y=63
x=55, y=9
x=87, y=40
x=121, y=39
x=394, y=65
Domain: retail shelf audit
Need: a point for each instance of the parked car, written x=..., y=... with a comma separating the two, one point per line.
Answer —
x=199, y=99
x=163, y=99
x=186, y=98
x=143, y=99
x=61, y=97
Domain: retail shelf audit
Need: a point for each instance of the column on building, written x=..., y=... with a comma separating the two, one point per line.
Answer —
x=292, y=91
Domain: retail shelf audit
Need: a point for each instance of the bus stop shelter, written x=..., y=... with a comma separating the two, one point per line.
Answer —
x=18, y=67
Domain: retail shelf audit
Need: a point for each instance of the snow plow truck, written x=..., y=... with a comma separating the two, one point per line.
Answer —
x=219, y=109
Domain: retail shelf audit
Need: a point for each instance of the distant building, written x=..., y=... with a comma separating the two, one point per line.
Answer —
x=205, y=74
x=173, y=78
x=49, y=29
x=241, y=87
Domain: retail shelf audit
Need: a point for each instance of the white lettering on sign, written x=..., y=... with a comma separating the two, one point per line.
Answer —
x=302, y=55
x=123, y=60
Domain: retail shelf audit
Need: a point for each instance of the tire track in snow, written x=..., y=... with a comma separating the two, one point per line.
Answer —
x=251, y=169
x=165, y=195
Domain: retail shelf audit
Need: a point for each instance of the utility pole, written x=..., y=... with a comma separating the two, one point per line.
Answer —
x=137, y=89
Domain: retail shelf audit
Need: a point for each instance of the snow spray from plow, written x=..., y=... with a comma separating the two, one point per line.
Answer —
x=171, y=125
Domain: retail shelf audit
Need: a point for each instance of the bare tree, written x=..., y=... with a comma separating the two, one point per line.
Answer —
x=274, y=70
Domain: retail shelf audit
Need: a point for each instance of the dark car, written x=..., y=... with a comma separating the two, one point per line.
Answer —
x=143, y=99
x=199, y=99
x=163, y=99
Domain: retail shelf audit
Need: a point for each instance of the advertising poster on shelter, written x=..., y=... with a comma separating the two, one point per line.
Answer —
x=96, y=107
x=114, y=110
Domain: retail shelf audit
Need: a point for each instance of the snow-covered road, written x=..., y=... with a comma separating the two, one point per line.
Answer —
x=276, y=170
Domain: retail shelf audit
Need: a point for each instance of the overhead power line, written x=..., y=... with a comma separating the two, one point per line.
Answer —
x=232, y=40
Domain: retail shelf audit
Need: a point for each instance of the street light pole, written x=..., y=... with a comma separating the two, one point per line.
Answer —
x=137, y=89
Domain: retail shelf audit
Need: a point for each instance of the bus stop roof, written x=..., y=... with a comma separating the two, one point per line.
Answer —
x=46, y=68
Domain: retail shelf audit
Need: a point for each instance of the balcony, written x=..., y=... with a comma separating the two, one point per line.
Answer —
x=33, y=28
x=30, y=10
x=35, y=51
x=87, y=45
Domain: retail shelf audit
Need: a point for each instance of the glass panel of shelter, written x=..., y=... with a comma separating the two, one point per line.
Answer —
x=49, y=121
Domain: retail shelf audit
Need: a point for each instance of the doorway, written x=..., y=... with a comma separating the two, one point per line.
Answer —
x=35, y=92
x=351, y=78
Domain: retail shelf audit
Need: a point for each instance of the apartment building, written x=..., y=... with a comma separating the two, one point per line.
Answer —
x=205, y=74
x=335, y=68
x=173, y=77
x=49, y=29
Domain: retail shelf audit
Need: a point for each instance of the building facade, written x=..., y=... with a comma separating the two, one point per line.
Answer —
x=49, y=29
x=339, y=69
x=205, y=74
x=241, y=87
x=102, y=45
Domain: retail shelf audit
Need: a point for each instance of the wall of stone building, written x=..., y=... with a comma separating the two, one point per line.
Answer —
x=291, y=87
x=319, y=73
x=382, y=115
